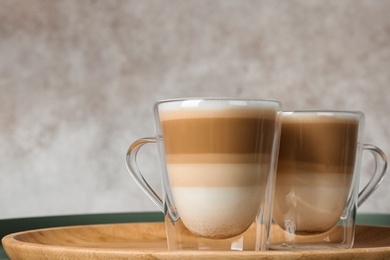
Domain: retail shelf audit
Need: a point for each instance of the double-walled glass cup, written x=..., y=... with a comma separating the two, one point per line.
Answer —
x=218, y=159
x=317, y=183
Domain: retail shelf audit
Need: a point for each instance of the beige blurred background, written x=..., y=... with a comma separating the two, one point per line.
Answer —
x=78, y=80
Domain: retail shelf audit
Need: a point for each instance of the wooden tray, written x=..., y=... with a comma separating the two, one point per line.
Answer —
x=147, y=241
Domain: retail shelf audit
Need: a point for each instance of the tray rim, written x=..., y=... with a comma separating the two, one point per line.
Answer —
x=10, y=241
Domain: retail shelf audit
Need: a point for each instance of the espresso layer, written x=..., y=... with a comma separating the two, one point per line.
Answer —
x=218, y=135
x=323, y=141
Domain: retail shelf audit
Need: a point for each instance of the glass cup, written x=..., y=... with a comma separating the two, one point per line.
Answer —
x=317, y=183
x=218, y=159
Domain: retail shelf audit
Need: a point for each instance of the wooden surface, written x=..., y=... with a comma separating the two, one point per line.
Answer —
x=147, y=241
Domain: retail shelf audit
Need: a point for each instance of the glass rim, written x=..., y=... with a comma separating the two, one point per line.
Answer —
x=215, y=99
x=325, y=113
x=217, y=103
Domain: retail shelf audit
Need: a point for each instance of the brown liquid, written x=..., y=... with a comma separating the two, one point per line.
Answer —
x=315, y=169
x=218, y=165
x=218, y=136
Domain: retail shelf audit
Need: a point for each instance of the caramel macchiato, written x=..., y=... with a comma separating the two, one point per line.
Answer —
x=315, y=168
x=218, y=162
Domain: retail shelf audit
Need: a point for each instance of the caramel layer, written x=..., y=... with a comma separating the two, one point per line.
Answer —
x=210, y=158
x=217, y=175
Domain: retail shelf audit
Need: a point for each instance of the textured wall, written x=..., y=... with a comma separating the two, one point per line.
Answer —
x=78, y=80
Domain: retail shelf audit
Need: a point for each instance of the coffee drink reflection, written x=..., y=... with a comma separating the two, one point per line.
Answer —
x=216, y=161
x=315, y=168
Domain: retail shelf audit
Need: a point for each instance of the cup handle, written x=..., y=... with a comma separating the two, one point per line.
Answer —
x=379, y=173
x=132, y=167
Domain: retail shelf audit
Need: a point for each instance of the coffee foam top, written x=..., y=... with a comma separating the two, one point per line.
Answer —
x=216, y=104
x=320, y=116
x=195, y=108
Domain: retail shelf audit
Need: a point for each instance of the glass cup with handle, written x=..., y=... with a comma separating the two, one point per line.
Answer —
x=317, y=184
x=218, y=158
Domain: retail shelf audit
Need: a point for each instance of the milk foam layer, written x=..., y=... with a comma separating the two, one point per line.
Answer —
x=221, y=210
x=321, y=116
x=217, y=212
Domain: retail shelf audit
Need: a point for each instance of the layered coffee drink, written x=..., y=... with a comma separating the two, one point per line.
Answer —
x=218, y=161
x=315, y=167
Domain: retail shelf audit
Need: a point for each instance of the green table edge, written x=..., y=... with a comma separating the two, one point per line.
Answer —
x=8, y=226
x=373, y=219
